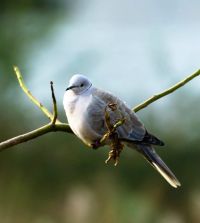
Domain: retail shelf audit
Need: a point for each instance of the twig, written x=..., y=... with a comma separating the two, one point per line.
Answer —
x=55, y=111
x=166, y=92
x=31, y=97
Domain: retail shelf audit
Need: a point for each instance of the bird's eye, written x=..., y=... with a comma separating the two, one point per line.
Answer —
x=82, y=85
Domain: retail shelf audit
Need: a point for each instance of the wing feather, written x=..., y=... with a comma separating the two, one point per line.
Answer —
x=132, y=128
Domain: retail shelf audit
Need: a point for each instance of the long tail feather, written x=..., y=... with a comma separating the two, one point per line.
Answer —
x=152, y=157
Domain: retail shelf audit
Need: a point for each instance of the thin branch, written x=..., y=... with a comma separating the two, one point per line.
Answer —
x=31, y=97
x=56, y=125
x=55, y=111
x=166, y=92
x=34, y=134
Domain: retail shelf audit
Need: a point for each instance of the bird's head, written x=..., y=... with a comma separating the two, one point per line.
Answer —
x=79, y=84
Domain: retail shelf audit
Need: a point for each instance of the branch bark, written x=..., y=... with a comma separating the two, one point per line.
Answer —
x=55, y=125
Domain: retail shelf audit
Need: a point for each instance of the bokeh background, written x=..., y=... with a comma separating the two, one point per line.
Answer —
x=132, y=48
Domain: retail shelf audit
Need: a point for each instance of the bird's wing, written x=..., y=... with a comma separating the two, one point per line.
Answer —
x=132, y=128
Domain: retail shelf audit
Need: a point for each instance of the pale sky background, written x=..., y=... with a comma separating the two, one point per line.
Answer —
x=131, y=48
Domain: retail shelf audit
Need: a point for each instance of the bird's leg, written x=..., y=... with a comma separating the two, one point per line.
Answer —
x=111, y=134
x=116, y=148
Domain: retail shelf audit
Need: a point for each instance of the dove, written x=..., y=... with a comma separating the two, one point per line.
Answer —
x=85, y=106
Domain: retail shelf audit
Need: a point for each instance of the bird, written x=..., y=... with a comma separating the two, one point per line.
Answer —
x=85, y=105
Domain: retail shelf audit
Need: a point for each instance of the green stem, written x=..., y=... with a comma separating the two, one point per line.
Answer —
x=31, y=97
x=166, y=92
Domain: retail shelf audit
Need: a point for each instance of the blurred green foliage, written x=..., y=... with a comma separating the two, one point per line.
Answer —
x=55, y=178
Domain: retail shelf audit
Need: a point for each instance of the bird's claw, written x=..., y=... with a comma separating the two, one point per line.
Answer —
x=113, y=155
x=115, y=163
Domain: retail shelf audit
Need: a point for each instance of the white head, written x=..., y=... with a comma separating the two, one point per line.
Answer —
x=79, y=84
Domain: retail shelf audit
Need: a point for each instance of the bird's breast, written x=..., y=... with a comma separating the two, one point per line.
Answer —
x=76, y=111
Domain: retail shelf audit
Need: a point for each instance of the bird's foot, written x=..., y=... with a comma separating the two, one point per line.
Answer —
x=114, y=155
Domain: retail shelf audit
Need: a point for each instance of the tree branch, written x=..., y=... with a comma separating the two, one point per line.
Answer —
x=56, y=125
x=34, y=134
x=166, y=92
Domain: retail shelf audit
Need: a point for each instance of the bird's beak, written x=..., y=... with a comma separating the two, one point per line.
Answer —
x=71, y=87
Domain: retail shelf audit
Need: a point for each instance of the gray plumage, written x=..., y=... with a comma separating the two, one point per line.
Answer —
x=85, y=109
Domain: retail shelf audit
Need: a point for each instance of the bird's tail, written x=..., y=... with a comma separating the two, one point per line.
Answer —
x=153, y=158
